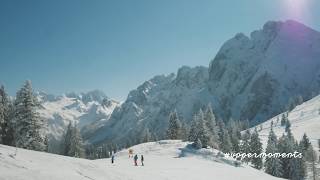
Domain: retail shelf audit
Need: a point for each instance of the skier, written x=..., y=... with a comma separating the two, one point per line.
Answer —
x=142, y=159
x=130, y=153
x=112, y=159
x=135, y=160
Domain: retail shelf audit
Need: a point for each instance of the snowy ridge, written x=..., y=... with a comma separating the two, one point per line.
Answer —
x=305, y=118
x=162, y=162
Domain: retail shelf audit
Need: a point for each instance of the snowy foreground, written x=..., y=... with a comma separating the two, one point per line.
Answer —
x=163, y=160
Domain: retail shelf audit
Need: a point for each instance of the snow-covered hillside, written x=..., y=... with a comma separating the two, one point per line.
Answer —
x=86, y=110
x=163, y=160
x=252, y=77
x=305, y=118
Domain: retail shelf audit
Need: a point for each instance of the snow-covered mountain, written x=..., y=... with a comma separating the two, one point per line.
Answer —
x=163, y=160
x=255, y=77
x=86, y=110
x=305, y=118
x=251, y=78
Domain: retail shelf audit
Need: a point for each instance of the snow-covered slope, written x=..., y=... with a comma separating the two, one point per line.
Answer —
x=305, y=118
x=163, y=160
x=86, y=110
x=250, y=78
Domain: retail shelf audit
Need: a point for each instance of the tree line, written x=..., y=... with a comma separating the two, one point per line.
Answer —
x=20, y=123
x=232, y=137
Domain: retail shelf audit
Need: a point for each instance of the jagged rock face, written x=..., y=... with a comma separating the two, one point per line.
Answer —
x=150, y=104
x=255, y=77
x=250, y=78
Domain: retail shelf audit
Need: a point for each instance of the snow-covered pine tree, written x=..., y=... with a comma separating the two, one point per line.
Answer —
x=199, y=130
x=174, y=127
x=296, y=166
x=225, y=144
x=28, y=123
x=272, y=165
x=234, y=132
x=6, y=125
x=198, y=144
x=146, y=135
x=67, y=140
x=288, y=125
x=212, y=126
x=245, y=124
x=245, y=144
x=221, y=129
x=286, y=145
x=256, y=148
x=283, y=119
x=184, y=132
x=76, y=145
x=305, y=142
x=202, y=131
x=193, y=133
x=311, y=158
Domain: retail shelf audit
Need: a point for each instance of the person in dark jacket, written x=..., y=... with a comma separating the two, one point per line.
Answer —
x=142, y=159
x=112, y=159
x=135, y=160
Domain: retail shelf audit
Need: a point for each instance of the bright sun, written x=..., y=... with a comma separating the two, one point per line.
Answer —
x=296, y=8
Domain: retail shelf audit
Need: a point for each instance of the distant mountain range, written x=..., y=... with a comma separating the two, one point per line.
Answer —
x=251, y=78
x=87, y=110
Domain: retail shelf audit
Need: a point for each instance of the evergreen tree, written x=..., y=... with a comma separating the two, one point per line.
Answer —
x=146, y=136
x=6, y=123
x=76, y=144
x=221, y=126
x=174, y=127
x=193, y=133
x=245, y=124
x=256, y=148
x=283, y=120
x=202, y=131
x=305, y=142
x=27, y=120
x=198, y=144
x=311, y=157
x=199, y=130
x=225, y=142
x=296, y=166
x=67, y=140
x=212, y=127
x=286, y=145
x=234, y=132
x=272, y=165
x=184, y=132
x=288, y=125
x=245, y=145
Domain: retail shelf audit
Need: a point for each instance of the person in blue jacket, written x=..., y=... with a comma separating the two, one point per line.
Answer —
x=135, y=160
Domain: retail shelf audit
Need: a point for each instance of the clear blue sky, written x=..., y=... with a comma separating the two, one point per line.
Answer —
x=80, y=45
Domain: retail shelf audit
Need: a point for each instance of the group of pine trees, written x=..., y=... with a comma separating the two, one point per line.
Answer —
x=20, y=123
x=290, y=168
x=206, y=130
x=72, y=143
